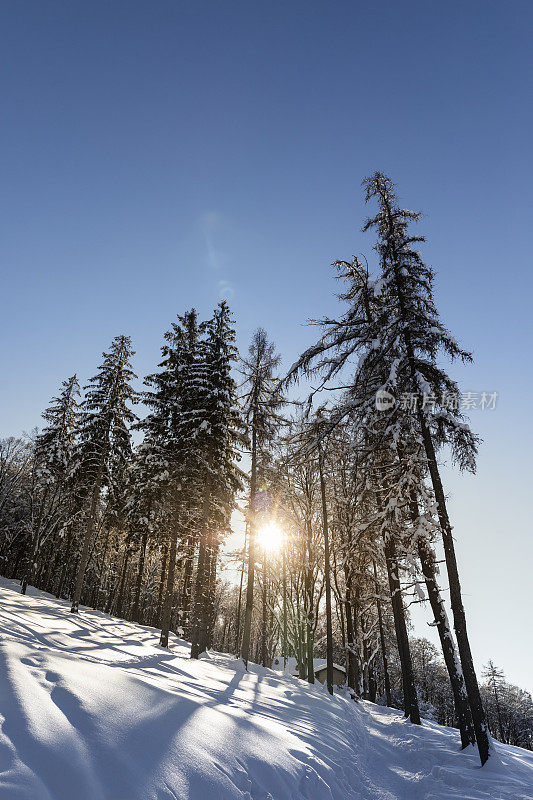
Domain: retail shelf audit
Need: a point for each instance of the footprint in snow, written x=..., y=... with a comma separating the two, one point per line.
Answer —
x=30, y=661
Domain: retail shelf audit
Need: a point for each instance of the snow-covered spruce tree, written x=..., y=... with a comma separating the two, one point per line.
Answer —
x=495, y=680
x=212, y=431
x=52, y=467
x=168, y=470
x=409, y=322
x=261, y=401
x=104, y=444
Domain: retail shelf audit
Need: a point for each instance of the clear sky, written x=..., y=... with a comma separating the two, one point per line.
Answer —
x=159, y=155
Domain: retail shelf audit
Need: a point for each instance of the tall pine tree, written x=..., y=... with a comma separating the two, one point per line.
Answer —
x=54, y=450
x=104, y=438
x=214, y=432
x=408, y=315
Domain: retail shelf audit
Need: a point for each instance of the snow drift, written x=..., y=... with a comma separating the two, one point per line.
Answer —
x=92, y=708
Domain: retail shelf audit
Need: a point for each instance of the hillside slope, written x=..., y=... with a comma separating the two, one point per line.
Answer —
x=92, y=708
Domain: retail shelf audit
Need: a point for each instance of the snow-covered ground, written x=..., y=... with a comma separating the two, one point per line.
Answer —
x=91, y=708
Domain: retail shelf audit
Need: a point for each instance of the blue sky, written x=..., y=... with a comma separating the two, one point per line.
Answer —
x=156, y=156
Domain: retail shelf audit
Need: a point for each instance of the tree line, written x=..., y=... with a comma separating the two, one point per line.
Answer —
x=129, y=514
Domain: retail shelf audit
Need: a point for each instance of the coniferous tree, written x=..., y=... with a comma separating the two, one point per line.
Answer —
x=171, y=399
x=495, y=680
x=52, y=467
x=408, y=314
x=104, y=438
x=216, y=428
x=378, y=363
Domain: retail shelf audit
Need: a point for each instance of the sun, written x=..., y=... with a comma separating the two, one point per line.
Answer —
x=270, y=537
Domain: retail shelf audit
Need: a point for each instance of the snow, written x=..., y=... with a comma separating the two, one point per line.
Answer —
x=91, y=707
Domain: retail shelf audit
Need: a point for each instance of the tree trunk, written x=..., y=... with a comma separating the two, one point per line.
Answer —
x=30, y=564
x=498, y=711
x=309, y=595
x=208, y=611
x=352, y=661
x=329, y=630
x=61, y=585
x=87, y=541
x=52, y=567
x=18, y=559
x=462, y=710
x=386, y=678
x=350, y=643
x=199, y=599
x=366, y=656
x=409, y=690
x=303, y=666
x=198, y=622
x=264, y=610
x=159, y=610
x=456, y=600
x=112, y=582
x=284, y=585
x=185, y=599
x=119, y=603
x=169, y=595
x=224, y=630
x=29, y=571
x=239, y=604
x=251, y=552
x=135, y=614
x=98, y=587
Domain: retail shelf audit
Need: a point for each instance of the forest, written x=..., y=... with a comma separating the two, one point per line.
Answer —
x=124, y=501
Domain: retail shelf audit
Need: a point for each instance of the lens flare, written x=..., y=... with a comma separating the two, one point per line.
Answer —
x=270, y=537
